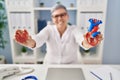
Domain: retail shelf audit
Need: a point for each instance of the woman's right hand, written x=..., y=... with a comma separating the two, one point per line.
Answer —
x=22, y=37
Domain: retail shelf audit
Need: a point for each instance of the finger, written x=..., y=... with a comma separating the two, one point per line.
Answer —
x=85, y=36
x=29, y=37
x=100, y=37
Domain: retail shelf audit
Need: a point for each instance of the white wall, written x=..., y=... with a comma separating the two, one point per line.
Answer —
x=111, y=53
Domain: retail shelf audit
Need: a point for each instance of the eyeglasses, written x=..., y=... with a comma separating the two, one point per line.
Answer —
x=59, y=15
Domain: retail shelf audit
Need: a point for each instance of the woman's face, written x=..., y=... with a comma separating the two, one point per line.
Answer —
x=60, y=17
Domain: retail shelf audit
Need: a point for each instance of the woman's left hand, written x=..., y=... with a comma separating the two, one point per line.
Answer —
x=89, y=42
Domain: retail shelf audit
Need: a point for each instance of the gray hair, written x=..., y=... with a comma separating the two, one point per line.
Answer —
x=58, y=6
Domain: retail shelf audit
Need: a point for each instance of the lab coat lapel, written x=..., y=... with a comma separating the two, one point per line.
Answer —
x=65, y=34
x=57, y=34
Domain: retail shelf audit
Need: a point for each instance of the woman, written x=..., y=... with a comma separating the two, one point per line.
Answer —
x=62, y=40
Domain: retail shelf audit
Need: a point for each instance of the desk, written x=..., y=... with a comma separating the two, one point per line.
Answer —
x=41, y=70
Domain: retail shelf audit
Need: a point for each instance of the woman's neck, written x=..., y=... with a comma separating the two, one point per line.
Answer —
x=61, y=30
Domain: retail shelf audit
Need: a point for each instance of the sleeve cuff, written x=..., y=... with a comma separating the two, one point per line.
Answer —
x=83, y=46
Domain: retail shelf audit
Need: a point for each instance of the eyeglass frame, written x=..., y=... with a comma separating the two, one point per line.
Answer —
x=59, y=15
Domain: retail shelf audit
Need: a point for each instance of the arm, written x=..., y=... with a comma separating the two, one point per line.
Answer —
x=91, y=36
x=32, y=41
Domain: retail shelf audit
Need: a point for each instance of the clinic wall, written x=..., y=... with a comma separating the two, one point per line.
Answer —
x=111, y=51
x=6, y=52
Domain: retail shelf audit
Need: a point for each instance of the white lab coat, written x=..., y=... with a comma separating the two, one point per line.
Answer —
x=60, y=50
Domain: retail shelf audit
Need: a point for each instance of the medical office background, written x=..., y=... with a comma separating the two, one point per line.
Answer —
x=111, y=51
